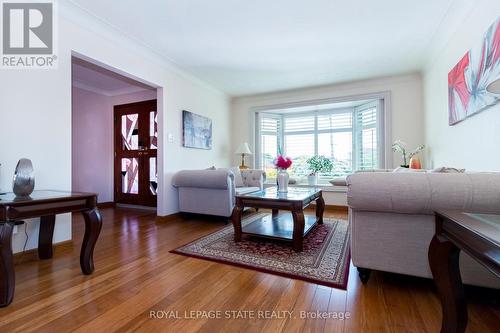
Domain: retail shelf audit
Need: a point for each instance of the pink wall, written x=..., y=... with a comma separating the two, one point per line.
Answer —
x=92, y=140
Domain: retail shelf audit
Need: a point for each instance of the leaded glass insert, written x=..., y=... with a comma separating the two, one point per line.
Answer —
x=153, y=129
x=130, y=175
x=130, y=131
x=153, y=176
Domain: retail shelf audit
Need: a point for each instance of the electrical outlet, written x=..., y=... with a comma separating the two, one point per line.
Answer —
x=170, y=138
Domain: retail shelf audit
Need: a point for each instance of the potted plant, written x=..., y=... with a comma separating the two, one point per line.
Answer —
x=402, y=147
x=316, y=165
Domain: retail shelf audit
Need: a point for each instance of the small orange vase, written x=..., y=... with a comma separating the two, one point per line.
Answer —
x=415, y=163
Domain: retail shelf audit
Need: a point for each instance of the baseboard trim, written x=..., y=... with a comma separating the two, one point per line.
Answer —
x=108, y=204
x=171, y=217
x=33, y=253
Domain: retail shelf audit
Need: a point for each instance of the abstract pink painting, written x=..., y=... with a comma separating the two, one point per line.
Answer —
x=468, y=80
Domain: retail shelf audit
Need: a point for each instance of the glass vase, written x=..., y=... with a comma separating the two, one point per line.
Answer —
x=283, y=179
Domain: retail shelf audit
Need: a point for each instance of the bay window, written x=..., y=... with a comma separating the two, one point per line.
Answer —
x=350, y=136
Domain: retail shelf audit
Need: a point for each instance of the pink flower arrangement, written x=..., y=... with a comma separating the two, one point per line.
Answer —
x=282, y=162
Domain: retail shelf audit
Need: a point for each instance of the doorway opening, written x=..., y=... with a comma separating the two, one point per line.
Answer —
x=114, y=136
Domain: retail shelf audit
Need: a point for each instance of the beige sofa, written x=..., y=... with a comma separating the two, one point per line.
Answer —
x=392, y=221
x=212, y=191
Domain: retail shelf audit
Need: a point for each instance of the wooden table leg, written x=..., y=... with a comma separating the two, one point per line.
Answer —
x=320, y=209
x=298, y=230
x=444, y=262
x=7, y=274
x=93, y=224
x=236, y=219
x=45, y=236
x=275, y=212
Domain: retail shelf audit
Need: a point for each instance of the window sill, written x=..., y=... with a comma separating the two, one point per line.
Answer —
x=324, y=187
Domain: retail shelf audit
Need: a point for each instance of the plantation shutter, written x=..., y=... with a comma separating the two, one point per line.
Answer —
x=269, y=140
x=366, y=137
x=299, y=141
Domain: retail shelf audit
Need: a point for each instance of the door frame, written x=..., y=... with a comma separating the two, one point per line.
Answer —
x=154, y=81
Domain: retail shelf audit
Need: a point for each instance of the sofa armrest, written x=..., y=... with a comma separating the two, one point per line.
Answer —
x=216, y=179
x=253, y=178
x=424, y=193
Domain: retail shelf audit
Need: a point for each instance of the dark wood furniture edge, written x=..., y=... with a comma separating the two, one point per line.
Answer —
x=470, y=245
x=444, y=253
x=86, y=203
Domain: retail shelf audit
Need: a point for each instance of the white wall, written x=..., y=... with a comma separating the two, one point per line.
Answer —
x=92, y=140
x=91, y=147
x=472, y=143
x=35, y=111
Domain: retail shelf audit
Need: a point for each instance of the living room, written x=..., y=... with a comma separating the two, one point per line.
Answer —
x=297, y=167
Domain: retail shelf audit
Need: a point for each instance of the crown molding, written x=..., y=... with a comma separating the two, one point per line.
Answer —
x=108, y=93
x=457, y=13
x=97, y=25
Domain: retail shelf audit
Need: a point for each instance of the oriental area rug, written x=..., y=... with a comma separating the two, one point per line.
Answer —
x=325, y=259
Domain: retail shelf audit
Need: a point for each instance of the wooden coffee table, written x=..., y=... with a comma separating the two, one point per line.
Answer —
x=292, y=226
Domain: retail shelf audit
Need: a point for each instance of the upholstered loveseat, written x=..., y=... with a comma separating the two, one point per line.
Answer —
x=392, y=221
x=212, y=191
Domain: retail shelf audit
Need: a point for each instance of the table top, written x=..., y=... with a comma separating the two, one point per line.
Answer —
x=293, y=194
x=486, y=226
x=10, y=199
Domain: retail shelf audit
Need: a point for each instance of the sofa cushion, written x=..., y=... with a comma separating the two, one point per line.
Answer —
x=338, y=181
x=245, y=190
x=238, y=180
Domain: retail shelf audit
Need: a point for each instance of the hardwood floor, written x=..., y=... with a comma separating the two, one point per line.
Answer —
x=136, y=274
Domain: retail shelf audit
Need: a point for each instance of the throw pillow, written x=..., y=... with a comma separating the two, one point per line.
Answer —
x=339, y=181
x=448, y=170
x=238, y=179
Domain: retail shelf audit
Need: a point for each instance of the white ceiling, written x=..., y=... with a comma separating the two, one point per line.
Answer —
x=245, y=47
x=102, y=81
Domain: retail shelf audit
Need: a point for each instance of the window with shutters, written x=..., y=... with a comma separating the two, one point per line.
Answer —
x=348, y=136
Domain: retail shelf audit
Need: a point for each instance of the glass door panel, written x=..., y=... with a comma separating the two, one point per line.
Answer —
x=130, y=175
x=130, y=131
x=153, y=130
x=153, y=176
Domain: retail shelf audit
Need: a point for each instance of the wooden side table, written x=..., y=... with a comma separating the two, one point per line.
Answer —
x=44, y=204
x=476, y=234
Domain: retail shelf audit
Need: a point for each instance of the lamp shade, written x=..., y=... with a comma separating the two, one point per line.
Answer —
x=494, y=87
x=243, y=148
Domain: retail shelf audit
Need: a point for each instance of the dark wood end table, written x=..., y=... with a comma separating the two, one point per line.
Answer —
x=293, y=226
x=44, y=204
x=476, y=234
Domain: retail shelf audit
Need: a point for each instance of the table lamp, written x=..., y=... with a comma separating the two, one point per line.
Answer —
x=243, y=149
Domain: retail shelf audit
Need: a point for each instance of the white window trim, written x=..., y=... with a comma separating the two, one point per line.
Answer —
x=384, y=110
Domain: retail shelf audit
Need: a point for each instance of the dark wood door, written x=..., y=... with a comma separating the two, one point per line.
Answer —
x=136, y=144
